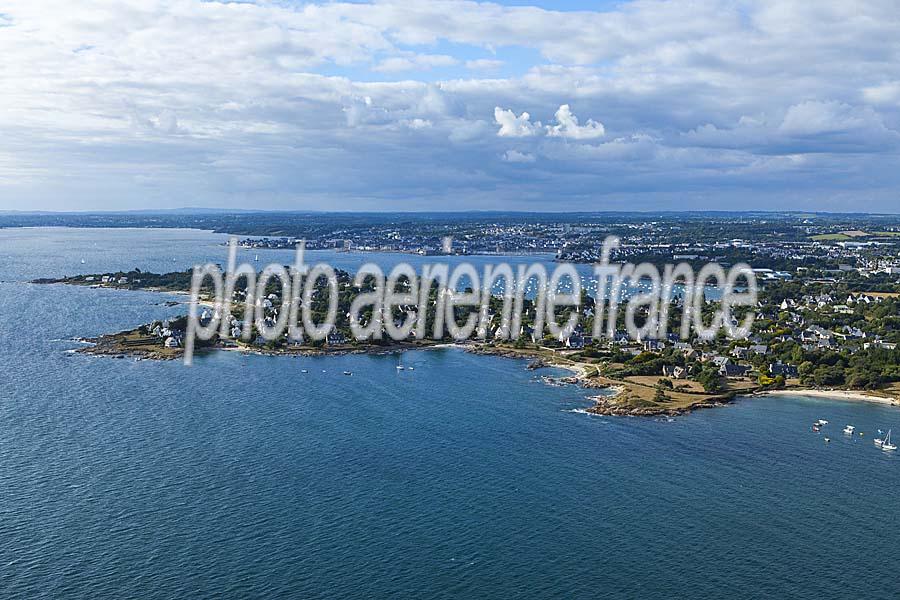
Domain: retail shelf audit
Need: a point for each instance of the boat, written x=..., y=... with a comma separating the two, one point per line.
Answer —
x=304, y=371
x=816, y=428
x=827, y=440
x=849, y=429
x=821, y=422
x=886, y=444
x=400, y=366
x=348, y=373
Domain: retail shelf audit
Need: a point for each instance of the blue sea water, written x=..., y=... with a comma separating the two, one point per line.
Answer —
x=466, y=477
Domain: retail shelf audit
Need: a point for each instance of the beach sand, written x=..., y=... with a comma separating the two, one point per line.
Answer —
x=834, y=395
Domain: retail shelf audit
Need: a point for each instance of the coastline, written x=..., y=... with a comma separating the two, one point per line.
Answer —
x=627, y=397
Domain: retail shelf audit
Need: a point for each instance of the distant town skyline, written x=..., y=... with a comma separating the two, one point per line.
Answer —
x=724, y=105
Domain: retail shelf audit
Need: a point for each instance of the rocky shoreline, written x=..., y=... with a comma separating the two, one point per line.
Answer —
x=622, y=403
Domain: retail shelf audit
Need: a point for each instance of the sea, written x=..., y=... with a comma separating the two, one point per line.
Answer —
x=249, y=476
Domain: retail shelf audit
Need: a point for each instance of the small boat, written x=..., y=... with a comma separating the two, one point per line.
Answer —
x=400, y=366
x=348, y=373
x=82, y=261
x=304, y=371
x=827, y=440
x=821, y=422
x=849, y=429
x=410, y=368
x=886, y=444
x=816, y=428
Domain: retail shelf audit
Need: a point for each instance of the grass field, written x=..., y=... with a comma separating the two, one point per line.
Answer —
x=830, y=237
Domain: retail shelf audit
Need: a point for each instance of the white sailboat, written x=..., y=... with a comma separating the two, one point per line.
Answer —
x=886, y=443
x=849, y=429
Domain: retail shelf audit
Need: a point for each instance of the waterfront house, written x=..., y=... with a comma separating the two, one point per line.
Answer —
x=779, y=368
x=335, y=338
x=733, y=370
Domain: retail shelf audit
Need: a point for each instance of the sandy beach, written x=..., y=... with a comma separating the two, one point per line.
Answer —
x=834, y=395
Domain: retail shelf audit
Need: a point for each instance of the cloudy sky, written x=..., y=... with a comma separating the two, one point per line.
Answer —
x=446, y=104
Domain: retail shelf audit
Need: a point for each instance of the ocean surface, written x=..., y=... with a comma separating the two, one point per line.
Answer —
x=466, y=477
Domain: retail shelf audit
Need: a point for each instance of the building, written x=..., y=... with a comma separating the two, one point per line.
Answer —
x=786, y=371
x=733, y=370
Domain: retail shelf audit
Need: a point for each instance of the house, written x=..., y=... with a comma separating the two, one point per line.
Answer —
x=675, y=372
x=335, y=337
x=733, y=370
x=854, y=332
x=740, y=352
x=708, y=356
x=787, y=371
x=721, y=361
x=576, y=340
x=879, y=344
x=653, y=345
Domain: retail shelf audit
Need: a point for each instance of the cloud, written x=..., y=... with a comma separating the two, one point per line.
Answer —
x=382, y=105
x=817, y=117
x=513, y=126
x=567, y=126
x=419, y=62
x=484, y=64
x=514, y=156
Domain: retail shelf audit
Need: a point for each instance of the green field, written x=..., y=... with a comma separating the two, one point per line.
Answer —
x=830, y=237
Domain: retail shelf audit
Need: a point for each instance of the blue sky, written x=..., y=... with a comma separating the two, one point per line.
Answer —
x=446, y=104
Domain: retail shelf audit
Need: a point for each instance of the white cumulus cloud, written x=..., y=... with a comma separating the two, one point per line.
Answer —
x=513, y=126
x=567, y=126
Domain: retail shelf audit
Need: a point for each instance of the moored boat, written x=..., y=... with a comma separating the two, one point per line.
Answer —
x=886, y=443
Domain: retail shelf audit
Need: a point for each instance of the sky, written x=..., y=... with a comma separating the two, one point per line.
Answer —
x=450, y=105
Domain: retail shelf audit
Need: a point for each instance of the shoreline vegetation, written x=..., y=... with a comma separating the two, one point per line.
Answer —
x=639, y=375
